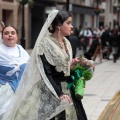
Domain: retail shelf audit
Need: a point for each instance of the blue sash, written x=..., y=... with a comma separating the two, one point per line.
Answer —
x=14, y=78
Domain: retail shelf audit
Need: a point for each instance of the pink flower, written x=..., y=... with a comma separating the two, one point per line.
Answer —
x=73, y=60
x=77, y=59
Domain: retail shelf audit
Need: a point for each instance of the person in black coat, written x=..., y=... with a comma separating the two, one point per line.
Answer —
x=115, y=43
x=89, y=54
x=105, y=43
x=74, y=41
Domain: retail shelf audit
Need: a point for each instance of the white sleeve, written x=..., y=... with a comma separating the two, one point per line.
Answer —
x=24, y=54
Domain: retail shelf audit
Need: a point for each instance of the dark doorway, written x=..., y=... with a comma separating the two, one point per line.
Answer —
x=101, y=24
x=37, y=21
x=7, y=16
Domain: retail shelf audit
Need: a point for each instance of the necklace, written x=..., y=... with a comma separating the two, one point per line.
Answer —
x=64, y=46
x=61, y=45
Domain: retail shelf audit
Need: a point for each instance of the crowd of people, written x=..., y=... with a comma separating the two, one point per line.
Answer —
x=35, y=87
x=108, y=40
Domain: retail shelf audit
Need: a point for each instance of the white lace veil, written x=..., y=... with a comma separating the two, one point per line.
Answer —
x=35, y=98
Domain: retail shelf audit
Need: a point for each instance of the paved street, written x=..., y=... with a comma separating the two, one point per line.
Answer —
x=100, y=89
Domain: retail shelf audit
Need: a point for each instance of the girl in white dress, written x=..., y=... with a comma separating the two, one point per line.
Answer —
x=13, y=59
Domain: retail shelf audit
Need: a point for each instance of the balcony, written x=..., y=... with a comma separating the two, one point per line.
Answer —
x=50, y=1
x=8, y=0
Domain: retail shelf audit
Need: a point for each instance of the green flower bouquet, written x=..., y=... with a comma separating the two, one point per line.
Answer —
x=81, y=70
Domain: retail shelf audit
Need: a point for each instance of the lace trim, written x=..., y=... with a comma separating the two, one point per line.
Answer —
x=55, y=55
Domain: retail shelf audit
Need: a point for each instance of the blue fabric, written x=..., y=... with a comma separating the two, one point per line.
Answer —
x=14, y=79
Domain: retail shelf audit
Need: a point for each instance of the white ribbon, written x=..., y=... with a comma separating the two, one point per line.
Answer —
x=11, y=72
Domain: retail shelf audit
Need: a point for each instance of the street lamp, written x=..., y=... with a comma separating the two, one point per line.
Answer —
x=67, y=5
x=23, y=2
x=118, y=14
x=117, y=11
x=97, y=12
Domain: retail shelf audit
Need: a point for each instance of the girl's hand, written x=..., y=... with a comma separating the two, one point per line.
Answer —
x=66, y=98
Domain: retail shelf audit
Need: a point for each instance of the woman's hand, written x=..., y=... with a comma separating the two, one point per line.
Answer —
x=66, y=98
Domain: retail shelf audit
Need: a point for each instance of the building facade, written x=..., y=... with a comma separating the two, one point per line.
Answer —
x=88, y=13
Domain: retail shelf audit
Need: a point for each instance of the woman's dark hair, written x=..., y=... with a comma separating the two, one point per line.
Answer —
x=61, y=17
x=9, y=26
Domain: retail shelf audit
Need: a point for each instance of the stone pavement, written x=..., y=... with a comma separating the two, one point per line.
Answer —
x=101, y=88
